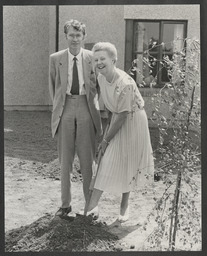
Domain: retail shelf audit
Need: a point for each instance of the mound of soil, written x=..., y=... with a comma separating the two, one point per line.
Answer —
x=54, y=234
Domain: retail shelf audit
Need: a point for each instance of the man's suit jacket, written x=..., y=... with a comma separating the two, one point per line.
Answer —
x=58, y=78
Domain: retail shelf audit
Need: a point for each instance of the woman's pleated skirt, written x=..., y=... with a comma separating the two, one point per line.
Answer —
x=128, y=161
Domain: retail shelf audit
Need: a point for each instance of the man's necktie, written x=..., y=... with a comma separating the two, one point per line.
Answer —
x=75, y=82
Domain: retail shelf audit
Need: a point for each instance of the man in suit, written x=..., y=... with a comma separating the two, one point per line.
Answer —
x=76, y=120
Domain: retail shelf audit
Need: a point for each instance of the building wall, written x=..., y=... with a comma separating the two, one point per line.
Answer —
x=25, y=45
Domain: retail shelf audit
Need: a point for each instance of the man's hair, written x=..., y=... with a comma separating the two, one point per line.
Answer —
x=79, y=26
x=108, y=47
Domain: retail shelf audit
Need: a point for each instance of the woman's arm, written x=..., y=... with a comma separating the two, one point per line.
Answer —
x=117, y=124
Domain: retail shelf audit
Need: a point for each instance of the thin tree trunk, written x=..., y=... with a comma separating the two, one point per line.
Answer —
x=176, y=198
x=171, y=227
x=191, y=107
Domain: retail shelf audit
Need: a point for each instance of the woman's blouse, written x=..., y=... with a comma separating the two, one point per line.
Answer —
x=121, y=95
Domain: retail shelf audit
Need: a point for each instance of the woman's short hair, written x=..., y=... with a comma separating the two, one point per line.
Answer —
x=108, y=47
x=79, y=26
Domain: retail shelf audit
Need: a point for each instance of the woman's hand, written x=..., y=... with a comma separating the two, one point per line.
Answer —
x=103, y=146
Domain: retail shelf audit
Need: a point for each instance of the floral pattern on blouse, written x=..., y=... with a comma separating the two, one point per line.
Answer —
x=129, y=94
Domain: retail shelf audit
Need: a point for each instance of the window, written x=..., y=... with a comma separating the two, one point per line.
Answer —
x=152, y=40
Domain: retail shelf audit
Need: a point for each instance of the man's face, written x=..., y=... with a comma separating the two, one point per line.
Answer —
x=74, y=39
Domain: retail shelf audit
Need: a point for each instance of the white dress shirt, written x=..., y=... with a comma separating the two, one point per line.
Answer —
x=79, y=64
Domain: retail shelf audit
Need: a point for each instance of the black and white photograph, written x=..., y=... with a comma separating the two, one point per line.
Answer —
x=102, y=128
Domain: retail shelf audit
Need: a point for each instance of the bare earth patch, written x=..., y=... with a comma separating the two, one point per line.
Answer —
x=32, y=196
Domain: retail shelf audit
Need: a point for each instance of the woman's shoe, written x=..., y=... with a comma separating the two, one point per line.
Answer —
x=125, y=217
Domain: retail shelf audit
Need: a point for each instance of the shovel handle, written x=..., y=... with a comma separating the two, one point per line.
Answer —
x=91, y=187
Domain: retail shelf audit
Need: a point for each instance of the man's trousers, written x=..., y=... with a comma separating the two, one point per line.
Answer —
x=75, y=132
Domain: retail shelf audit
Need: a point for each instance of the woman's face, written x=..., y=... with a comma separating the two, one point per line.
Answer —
x=103, y=62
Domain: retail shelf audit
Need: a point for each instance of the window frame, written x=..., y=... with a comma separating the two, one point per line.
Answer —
x=130, y=41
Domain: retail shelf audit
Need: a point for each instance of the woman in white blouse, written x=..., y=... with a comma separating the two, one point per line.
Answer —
x=127, y=153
